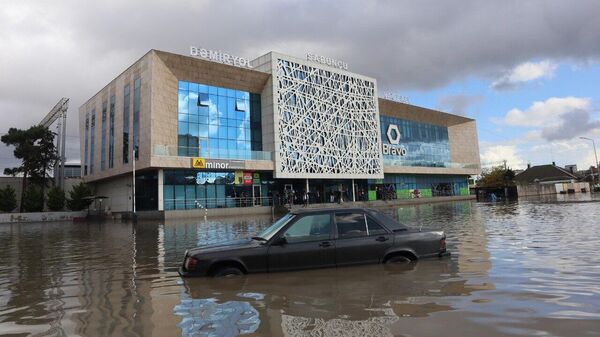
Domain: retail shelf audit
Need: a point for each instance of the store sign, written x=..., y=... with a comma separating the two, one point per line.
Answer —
x=216, y=164
x=256, y=178
x=238, y=178
x=219, y=56
x=327, y=61
x=247, y=178
x=393, y=136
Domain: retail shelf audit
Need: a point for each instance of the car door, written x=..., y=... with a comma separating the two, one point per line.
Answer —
x=360, y=239
x=308, y=244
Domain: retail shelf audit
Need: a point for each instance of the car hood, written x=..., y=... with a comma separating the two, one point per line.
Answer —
x=225, y=246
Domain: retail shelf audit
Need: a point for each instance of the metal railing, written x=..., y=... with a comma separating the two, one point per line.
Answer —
x=202, y=203
x=184, y=151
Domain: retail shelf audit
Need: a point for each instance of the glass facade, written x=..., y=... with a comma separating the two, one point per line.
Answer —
x=85, y=145
x=425, y=144
x=103, y=137
x=189, y=189
x=92, y=140
x=407, y=186
x=126, y=124
x=217, y=122
x=111, y=133
x=136, y=117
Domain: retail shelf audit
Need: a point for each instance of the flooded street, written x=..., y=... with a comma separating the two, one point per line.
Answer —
x=517, y=269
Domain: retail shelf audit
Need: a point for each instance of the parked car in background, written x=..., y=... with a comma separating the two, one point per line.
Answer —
x=317, y=238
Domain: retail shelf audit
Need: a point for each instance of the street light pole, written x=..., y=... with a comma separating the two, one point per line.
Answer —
x=596, y=156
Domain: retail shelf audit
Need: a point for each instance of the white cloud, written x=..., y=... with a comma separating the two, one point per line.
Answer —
x=546, y=113
x=577, y=151
x=494, y=155
x=525, y=72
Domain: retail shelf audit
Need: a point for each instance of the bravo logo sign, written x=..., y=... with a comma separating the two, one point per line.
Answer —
x=393, y=136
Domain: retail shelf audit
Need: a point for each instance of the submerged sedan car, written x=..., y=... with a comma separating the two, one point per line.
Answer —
x=319, y=238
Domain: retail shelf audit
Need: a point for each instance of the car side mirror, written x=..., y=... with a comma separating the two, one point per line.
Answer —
x=280, y=241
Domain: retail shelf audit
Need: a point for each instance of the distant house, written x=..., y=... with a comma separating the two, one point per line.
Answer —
x=548, y=179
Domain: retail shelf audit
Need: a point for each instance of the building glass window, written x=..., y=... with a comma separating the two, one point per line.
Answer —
x=111, y=133
x=203, y=99
x=136, y=117
x=85, y=145
x=103, y=137
x=410, y=186
x=92, y=141
x=126, y=124
x=191, y=189
x=425, y=144
x=216, y=122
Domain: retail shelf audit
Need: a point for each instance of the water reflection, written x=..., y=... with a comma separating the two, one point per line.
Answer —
x=206, y=317
x=517, y=269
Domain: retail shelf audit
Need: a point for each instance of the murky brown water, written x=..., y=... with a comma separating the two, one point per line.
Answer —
x=522, y=269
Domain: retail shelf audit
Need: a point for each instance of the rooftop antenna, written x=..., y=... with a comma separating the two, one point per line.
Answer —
x=59, y=113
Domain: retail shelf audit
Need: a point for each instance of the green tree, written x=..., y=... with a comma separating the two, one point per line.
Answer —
x=56, y=199
x=79, y=197
x=8, y=199
x=497, y=177
x=35, y=148
x=33, y=199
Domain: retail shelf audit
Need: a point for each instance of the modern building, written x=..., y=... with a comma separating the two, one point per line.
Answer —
x=215, y=130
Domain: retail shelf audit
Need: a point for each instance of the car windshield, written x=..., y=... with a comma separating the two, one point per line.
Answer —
x=268, y=232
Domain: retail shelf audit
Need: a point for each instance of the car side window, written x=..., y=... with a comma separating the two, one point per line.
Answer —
x=374, y=227
x=309, y=228
x=350, y=225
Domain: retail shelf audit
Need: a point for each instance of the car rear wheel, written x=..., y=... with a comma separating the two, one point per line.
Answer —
x=398, y=259
x=228, y=272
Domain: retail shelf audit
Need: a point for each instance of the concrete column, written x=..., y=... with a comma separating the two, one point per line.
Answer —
x=353, y=192
x=161, y=202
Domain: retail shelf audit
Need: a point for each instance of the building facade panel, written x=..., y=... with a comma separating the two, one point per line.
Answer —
x=326, y=122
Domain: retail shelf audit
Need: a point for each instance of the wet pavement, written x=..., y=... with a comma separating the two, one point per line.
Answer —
x=517, y=269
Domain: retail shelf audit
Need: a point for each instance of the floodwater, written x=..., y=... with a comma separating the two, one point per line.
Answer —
x=517, y=269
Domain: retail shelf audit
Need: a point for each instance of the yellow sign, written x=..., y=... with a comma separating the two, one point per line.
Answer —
x=198, y=162
x=239, y=177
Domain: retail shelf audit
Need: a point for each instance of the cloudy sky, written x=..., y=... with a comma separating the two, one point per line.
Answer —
x=528, y=71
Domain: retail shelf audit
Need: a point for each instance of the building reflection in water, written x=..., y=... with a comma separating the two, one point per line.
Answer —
x=206, y=317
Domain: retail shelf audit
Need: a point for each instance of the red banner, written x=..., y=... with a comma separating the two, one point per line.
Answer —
x=247, y=178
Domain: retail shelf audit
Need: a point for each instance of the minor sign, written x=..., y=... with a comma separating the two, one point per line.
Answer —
x=217, y=164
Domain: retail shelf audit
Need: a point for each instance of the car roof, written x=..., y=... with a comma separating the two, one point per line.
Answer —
x=331, y=209
x=383, y=218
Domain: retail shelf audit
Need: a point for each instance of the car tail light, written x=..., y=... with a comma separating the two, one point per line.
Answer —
x=190, y=263
x=443, y=244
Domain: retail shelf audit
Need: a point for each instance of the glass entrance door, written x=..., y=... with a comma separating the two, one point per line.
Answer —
x=256, y=194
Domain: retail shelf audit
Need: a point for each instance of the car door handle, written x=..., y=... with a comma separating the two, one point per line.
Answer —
x=325, y=244
x=381, y=239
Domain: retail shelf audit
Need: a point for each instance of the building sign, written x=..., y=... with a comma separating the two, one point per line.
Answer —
x=327, y=61
x=198, y=163
x=219, y=56
x=238, y=178
x=256, y=178
x=395, y=97
x=216, y=164
x=247, y=178
x=393, y=136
